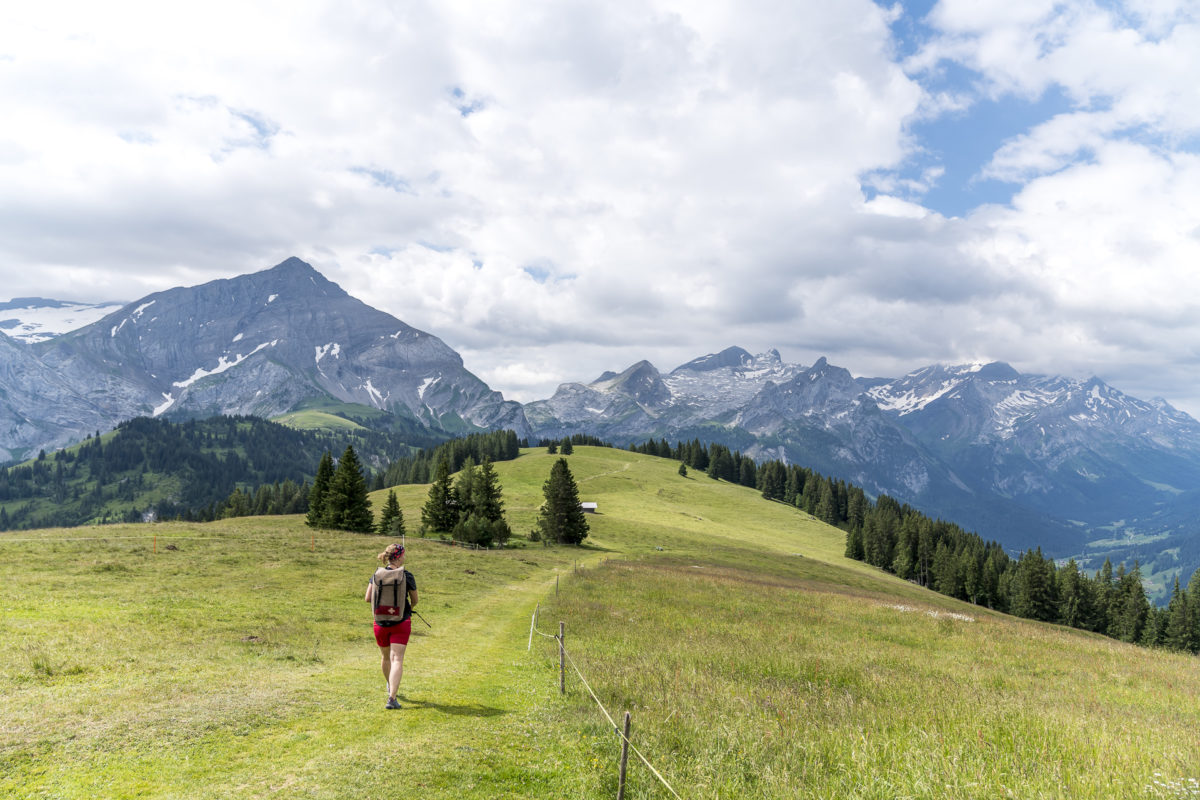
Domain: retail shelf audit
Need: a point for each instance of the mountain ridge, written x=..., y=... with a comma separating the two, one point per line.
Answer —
x=257, y=344
x=1054, y=459
x=1026, y=459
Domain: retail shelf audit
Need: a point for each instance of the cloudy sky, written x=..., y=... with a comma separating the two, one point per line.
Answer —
x=556, y=189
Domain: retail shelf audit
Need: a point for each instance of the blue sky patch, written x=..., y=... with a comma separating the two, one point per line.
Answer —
x=264, y=129
x=466, y=106
x=960, y=143
x=385, y=179
x=963, y=144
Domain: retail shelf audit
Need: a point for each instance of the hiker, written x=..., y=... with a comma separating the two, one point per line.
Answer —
x=396, y=587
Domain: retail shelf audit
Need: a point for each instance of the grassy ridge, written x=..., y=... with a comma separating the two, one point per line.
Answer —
x=756, y=660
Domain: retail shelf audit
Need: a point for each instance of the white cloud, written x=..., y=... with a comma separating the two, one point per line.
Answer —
x=559, y=189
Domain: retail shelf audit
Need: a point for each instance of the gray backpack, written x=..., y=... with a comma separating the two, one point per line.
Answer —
x=391, y=592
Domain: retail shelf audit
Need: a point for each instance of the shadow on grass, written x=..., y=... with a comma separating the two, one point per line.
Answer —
x=469, y=710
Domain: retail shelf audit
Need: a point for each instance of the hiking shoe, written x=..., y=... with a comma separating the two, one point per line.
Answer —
x=392, y=704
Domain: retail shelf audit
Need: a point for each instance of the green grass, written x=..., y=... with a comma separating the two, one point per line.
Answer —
x=756, y=661
x=314, y=420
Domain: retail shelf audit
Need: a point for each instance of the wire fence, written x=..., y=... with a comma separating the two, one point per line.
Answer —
x=560, y=638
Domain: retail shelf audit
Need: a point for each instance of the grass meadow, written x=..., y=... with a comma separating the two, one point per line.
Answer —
x=237, y=661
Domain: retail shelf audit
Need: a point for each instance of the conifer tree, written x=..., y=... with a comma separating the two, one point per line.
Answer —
x=774, y=479
x=807, y=500
x=945, y=569
x=903, y=561
x=440, y=514
x=1154, y=630
x=826, y=509
x=567, y=448
x=561, y=517
x=1192, y=598
x=854, y=544
x=316, y=497
x=682, y=469
x=748, y=473
x=487, y=499
x=346, y=505
x=391, y=518
x=464, y=488
x=1130, y=607
x=1072, y=600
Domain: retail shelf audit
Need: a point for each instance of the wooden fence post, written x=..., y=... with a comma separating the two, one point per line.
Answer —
x=562, y=658
x=624, y=760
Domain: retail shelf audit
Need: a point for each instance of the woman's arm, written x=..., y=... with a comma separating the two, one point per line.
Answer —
x=412, y=598
x=370, y=591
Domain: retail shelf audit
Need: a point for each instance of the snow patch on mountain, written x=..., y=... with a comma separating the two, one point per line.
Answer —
x=332, y=349
x=712, y=391
x=376, y=395
x=223, y=364
x=36, y=319
x=170, y=401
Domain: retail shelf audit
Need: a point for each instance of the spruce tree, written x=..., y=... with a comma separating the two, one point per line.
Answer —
x=1131, y=607
x=1072, y=602
x=1154, y=630
x=316, y=497
x=747, y=474
x=682, y=470
x=791, y=488
x=826, y=509
x=346, y=505
x=903, y=560
x=464, y=488
x=391, y=518
x=487, y=498
x=854, y=545
x=440, y=513
x=773, y=478
x=567, y=448
x=561, y=517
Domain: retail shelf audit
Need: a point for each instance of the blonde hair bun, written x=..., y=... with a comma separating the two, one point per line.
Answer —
x=391, y=553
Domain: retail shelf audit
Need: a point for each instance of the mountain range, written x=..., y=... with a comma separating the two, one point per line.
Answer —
x=1075, y=466
x=259, y=344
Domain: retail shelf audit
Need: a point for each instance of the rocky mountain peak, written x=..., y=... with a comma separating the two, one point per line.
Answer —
x=256, y=344
x=997, y=371
x=642, y=382
x=731, y=357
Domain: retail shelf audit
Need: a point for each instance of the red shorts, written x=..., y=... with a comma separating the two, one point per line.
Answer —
x=393, y=634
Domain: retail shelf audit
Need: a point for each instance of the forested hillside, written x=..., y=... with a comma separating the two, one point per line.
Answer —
x=942, y=556
x=153, y=468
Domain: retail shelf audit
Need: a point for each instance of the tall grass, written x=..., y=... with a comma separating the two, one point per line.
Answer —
x=767, y=684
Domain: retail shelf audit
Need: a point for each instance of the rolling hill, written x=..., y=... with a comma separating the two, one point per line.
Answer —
x=755, y=659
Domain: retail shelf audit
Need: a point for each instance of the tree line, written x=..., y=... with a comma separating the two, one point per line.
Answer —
x=202, y=469
x=422, y=467
x=829, y=500
x=941, y=556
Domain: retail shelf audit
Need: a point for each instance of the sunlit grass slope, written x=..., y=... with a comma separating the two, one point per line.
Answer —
x=313, y=420
x=756, y=661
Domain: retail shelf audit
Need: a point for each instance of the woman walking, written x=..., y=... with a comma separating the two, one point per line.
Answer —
x=392, y=593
